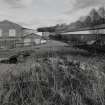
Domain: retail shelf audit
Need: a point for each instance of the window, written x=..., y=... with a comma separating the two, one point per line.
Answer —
x=12, y=32
x=27, y=42
x=0, y=32
x=37, y=41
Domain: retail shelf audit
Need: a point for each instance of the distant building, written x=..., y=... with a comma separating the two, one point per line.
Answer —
x=27, y=31
x=46, y=31
x=10, y=34
x=32, y=39
x=83, y=36
x=13, y=35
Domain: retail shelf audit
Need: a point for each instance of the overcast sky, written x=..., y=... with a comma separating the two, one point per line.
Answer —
x=36, y=13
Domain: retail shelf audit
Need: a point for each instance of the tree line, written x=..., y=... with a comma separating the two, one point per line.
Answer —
x=95, y=17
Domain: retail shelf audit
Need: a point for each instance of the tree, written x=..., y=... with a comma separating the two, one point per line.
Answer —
x=101, y=12
x=78, y=24
x=87, y=21
x=95, y=17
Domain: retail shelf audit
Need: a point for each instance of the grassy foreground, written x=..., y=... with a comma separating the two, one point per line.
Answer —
x=60, y=80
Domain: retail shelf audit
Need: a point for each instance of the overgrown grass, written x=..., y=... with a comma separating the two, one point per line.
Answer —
x=49, y=80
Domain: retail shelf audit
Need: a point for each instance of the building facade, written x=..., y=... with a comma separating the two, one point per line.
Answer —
x=10, y=34
x=13, y=35
x=87, y=35
x=32, y=39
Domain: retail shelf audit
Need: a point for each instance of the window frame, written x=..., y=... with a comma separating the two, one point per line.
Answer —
x=13, y=31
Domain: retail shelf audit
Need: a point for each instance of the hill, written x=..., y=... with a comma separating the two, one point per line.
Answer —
x=94, y=18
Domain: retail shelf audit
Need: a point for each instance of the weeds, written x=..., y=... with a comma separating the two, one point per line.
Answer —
x=53, y=80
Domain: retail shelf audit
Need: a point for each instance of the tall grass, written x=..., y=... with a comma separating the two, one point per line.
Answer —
x=53, y=80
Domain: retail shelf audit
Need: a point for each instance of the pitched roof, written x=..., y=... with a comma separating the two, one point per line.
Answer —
x=9, y=22
x=32, y=35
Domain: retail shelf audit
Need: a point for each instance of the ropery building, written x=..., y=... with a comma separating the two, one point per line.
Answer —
x=10, y=34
